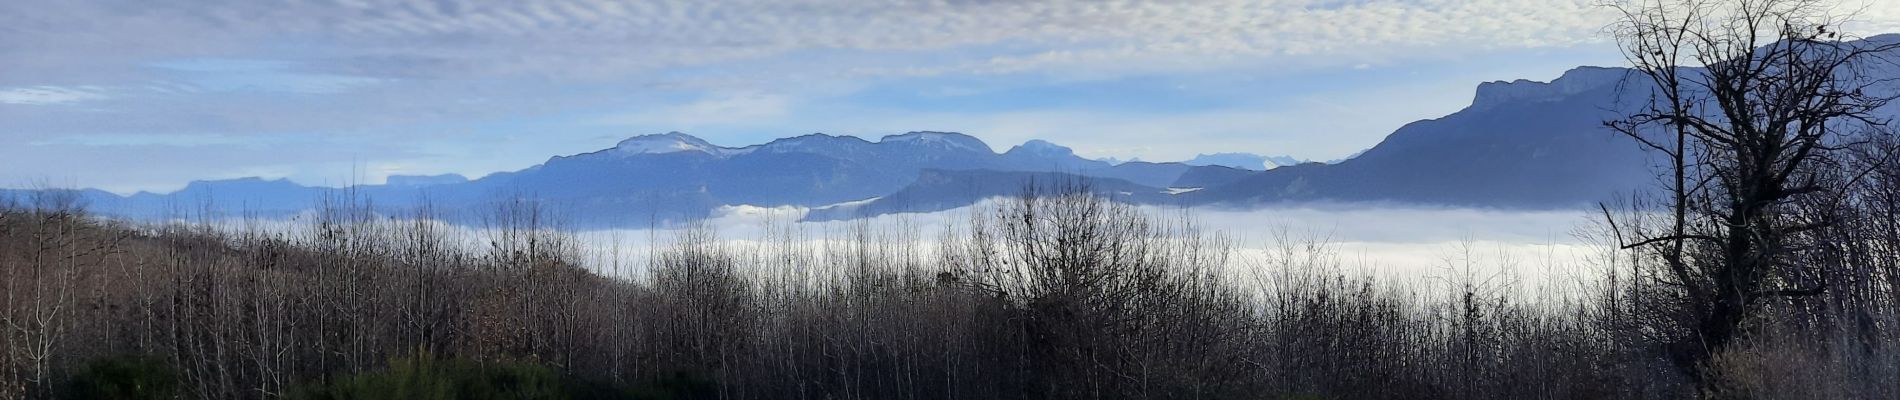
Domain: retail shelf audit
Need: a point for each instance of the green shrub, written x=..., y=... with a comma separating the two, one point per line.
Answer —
x=425, y=377
x=676, y=386
x=126, y=377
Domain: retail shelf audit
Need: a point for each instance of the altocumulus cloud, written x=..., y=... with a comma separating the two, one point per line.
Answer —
x=508, y=83
x=587, y=38
x=49, y=95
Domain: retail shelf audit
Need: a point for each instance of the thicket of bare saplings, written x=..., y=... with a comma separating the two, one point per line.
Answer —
x=1057, y=295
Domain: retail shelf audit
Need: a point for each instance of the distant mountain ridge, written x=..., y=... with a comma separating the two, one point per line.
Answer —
x=1520, y=144
x=1246, y=161
x=675, y=176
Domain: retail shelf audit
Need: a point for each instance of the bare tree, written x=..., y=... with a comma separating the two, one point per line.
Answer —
x=42, y=267
x=1753, y=104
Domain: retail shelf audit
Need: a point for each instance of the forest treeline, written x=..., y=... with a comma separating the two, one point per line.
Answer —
x=1059, y=295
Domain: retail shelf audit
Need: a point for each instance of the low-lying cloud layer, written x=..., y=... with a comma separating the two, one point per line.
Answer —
x=1552, y=248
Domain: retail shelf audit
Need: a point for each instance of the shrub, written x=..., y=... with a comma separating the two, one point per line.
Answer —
x=124, y=378
x=424, y=377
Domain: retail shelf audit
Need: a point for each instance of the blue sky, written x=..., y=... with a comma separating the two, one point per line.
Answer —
x=136, y=95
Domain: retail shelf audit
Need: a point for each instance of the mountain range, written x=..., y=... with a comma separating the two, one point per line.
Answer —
x=674, y=176
x=1246, y=161
x=1520, y=144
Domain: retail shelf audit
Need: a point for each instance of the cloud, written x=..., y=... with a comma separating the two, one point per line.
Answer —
x=742, y=108
x=43, y=95
x=517, y=81
x=1388, y=242
x=588, y=38
x=233, y=75
x=118, y=140
x=140, y=164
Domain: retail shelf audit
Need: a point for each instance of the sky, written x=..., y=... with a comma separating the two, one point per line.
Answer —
x=142, y=95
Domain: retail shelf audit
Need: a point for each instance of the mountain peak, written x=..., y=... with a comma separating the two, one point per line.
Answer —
x=811, y=142
x=1576, y=80
x=1884, y=38
x=249, y=180
x=1246, y=161
x=424, y=180
x=938, y=139
x=1041, y=148
x=245, y=183
x=670, y=142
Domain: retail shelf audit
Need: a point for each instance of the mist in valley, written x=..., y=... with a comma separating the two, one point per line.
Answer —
x=1034, y=200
